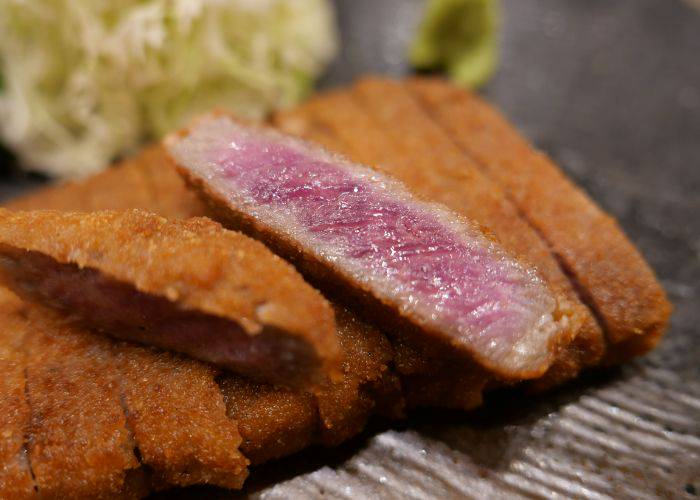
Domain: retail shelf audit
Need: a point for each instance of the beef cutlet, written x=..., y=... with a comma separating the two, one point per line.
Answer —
x=78, y=442
x=177, y=413
x=609, y=272
x=379, y=122
x=428, y=274
x=99, y=418
x=190, y=286
x=273, y=421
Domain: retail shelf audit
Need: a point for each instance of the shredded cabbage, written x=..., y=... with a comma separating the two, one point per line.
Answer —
x=85, y=81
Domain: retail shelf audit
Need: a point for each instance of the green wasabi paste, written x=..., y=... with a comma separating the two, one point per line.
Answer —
x=458, y=36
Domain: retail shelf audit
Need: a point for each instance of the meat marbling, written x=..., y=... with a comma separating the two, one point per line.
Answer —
x=347, y=224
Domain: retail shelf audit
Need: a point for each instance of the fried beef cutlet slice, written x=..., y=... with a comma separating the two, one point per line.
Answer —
x=424, y=270
x=15, y=474
x=78, y=442
x=380, y=123
x=188, y=286
x=609, y=271
x=428, y=378
x=273, y=421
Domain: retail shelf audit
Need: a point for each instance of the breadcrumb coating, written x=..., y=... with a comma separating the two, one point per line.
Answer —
x=15, y=474
x=78, y=441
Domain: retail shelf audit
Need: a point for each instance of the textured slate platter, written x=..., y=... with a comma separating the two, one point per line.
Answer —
x=611, y=90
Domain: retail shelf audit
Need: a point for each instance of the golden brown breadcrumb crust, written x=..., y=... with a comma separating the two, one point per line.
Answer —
x=79, y=443
x=178, y=418
x=125, y=183
x=194, y=264
x=172, y=198
x=91, y=402
x=612, y=276
x=87, y=395
x=15, y=474
x=276, y=422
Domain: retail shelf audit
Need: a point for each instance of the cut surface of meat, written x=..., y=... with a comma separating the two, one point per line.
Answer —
x=347, y=222
x=608, y=270
x=189, y=286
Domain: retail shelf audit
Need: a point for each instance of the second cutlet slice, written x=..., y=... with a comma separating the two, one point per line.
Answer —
x=188, y=286
x=425, y=273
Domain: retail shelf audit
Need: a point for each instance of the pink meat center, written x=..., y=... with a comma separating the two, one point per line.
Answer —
x=489, y=299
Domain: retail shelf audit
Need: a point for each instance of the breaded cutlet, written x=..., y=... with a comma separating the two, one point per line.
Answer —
x=178, y=418
x=78, y=441
x=609, y=272
x=113, y=419
x=380, y=123
x=187, y=285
